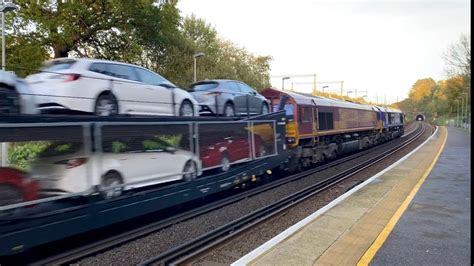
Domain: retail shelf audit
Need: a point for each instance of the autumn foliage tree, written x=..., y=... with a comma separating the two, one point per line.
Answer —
x=422, y=95
x=443, y=98
x=458, y=59
x=150, y=33
x=223, y=59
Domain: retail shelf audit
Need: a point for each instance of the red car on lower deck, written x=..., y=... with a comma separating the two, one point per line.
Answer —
x=230, y=150
x=16, y=187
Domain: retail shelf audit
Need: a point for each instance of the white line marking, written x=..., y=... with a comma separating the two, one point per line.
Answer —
x=294, y=228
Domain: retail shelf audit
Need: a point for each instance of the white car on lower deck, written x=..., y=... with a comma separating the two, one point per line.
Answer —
x=64, y=167
x=108, y=88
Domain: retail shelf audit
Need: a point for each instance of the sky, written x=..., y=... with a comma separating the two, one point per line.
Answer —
x=378, y=47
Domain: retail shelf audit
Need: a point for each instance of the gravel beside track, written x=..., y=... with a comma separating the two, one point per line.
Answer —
x=139, y=250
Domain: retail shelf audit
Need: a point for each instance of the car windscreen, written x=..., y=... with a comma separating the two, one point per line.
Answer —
x=60, y=148
x=204, y=86
x=58, y=65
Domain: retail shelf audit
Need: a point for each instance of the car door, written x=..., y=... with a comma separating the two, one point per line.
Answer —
x=240, y=147
x=125, y=87
x=306, y=120
x=158, y=96
x=233, y=91
x=162, y=162
x=253, y=101
x=126, y=157
x=141, y=164
x=153, y=166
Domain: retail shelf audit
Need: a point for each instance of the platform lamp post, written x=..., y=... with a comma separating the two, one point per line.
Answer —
x=324, y=87
x=283, y=82
x=467, y=109
x=5, y=7
x=461, y=124
x=457, y=111
x=466, y=112
x=314, y=84
x=198, y=55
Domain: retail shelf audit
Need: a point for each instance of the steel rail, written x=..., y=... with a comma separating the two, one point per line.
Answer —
x=91, y=249
x=193, y=248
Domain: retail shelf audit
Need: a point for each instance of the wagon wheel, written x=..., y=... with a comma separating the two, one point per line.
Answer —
x=9, y=195
x=109, y=183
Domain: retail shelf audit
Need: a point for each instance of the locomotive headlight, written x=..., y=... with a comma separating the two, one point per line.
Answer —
x=290, y=140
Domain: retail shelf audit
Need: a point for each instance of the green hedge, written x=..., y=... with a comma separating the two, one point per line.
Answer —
x=20, y=153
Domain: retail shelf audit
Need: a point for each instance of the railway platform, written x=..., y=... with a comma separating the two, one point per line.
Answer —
x=416, y=212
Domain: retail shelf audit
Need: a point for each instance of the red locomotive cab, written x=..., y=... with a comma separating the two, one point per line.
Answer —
x=307, y=120
x=275, y=97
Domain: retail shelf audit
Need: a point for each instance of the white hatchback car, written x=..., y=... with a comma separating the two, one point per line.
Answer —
x=108, y=88
x=63, y=168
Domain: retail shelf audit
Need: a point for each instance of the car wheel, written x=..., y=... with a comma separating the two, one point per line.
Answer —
x=265, y=109
x=106, y=105
x=191, y=169
x=225, y=163
x=108, y=187
x=229, y=110
x=186, y=109
x=9, y=195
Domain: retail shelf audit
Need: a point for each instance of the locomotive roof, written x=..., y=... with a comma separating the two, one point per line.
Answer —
x=307, y=99
x=388, y=109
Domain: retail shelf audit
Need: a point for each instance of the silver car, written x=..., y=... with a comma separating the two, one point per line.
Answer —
x=228, y=98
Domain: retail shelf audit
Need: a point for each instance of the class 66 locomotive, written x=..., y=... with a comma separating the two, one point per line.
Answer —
x=320, y=129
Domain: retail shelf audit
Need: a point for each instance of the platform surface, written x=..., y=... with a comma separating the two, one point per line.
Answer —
x=436, y=227
x=435, y=216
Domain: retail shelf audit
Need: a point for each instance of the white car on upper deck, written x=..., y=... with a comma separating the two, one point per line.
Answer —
x=107, y=88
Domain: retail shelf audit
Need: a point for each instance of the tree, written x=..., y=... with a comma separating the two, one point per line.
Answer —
x=194, y=36
x=222, y=60
x=458, y=58
x=24, y=55
x=422, y=90
x=443, y=97
x=150, y=33
x=450, y=90
x=117, y=30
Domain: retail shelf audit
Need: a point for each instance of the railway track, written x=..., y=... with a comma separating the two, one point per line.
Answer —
x=239, y=225
x=193, y=250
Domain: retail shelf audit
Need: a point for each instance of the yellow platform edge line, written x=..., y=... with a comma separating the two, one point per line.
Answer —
x=382, y=237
